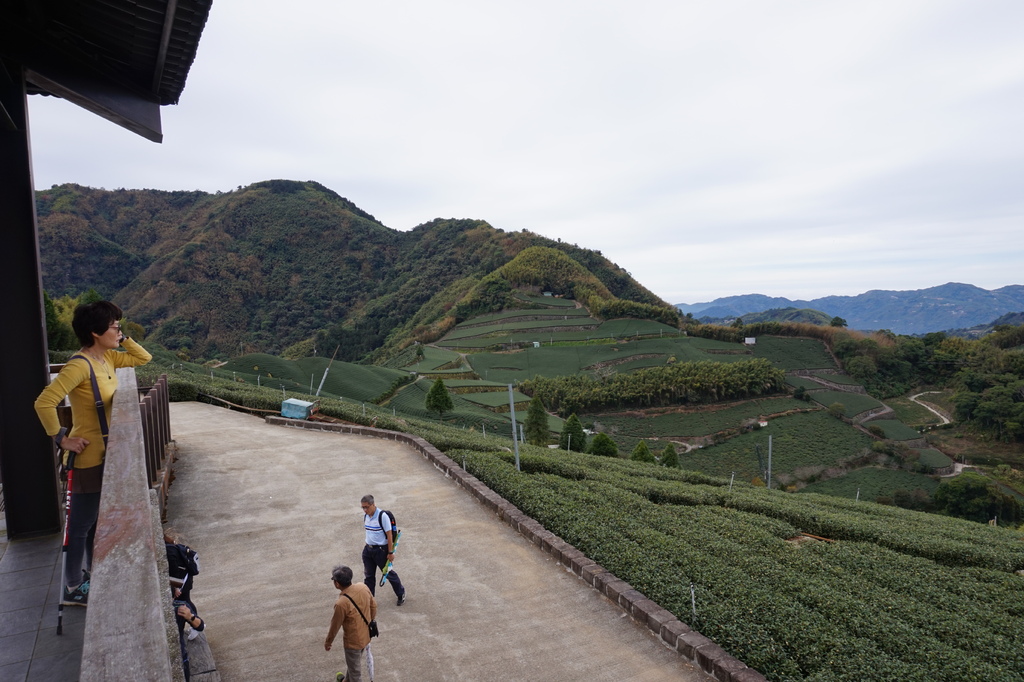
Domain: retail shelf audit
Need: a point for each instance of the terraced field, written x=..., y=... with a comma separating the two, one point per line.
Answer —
x=872, y=483
x=804, y=440
x=895, y=429
x=853, y=403
x=411, y=400
x=551, y=361
x=433, y=358
x=546, y=300
x=359, y=382
x=843, y=379
x=790, y=353
x=505, y=335
x=705, y=421
x=534, y=327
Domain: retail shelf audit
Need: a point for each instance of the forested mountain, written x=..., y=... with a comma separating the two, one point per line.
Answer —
x=949, y=306
x=797, y=315
x=980, y=330
x=275, y=264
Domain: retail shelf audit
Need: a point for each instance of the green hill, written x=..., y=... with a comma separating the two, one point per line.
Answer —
x=806, y=315
x=281, y=262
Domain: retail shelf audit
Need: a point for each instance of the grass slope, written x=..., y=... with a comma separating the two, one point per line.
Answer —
x=872, y=483
x=799, y=441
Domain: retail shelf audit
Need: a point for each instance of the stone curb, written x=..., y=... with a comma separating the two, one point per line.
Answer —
x=674, y=633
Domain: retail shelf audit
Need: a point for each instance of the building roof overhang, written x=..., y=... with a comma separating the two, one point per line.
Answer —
x=120, y=59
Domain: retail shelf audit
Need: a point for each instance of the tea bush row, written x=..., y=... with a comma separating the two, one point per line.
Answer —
x=847, y=610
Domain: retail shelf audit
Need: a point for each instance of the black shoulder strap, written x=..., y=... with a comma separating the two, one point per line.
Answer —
x=358, y=609
x=100, y=411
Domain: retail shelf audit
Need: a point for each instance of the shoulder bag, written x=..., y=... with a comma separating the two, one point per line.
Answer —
x=371, y=624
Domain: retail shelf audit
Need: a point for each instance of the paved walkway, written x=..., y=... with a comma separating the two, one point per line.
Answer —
x=30, y=649
x=271, y=510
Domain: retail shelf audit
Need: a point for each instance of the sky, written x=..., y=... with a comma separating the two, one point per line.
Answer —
x=787, y=147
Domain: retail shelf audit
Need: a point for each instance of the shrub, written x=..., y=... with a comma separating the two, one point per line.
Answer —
x=642, y=453
x=573, y=437
x=602, y=445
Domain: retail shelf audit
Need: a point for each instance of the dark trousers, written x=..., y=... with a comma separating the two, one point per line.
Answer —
x=377, y=558
x=85, y=509
x=181, y=637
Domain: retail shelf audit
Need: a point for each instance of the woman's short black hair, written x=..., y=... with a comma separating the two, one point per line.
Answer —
x=94, y=318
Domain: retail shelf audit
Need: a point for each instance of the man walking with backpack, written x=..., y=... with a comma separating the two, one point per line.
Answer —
x=381, y=536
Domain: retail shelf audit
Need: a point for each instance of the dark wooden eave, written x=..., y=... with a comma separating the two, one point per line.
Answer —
x=120, y=59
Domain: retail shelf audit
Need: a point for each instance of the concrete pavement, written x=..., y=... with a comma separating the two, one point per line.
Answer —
x=30, y=584
x=271, y=510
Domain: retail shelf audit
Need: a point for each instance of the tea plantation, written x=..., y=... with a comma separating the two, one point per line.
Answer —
x=890, y=595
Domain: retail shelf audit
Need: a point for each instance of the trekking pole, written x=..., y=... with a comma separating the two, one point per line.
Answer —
x=64, y=544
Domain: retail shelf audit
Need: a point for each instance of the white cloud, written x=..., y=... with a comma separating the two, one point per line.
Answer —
x=792, y=148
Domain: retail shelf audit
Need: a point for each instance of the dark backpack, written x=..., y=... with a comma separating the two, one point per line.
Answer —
x=394, y=524
x=182, y=561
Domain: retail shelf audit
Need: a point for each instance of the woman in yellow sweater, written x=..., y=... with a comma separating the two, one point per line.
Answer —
x=98, y=329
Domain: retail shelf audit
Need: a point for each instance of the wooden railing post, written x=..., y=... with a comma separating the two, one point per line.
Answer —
x=130, y=633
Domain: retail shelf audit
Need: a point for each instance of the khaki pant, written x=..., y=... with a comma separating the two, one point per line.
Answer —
x=354, y=665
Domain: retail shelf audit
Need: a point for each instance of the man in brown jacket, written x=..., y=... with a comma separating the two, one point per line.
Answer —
x=356, y=636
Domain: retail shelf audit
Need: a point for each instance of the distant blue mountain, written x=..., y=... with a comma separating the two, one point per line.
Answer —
x=949, y=306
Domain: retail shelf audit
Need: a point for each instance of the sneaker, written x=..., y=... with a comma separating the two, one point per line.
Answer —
x=340, y=677
x=78, y=596
x=401, y=599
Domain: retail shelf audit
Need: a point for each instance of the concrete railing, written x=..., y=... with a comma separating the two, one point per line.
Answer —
x=130, y=633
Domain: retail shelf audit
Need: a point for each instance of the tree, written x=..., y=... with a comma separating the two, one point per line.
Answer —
x=573, y=438
x=918, y=499
x=973, y=496
x=602, y=445
x=59, y=334
x=837, y=410
x=837, y=322
x=642, y=453
x=536, y=424
x=861, y=367
x=438, y=399
x=669, y=457
x=876, y=430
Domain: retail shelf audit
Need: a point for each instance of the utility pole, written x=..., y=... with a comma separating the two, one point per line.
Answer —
x=326, y=369
x=512, y=411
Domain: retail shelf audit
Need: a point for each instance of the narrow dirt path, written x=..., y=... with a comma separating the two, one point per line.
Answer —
x=936, y=412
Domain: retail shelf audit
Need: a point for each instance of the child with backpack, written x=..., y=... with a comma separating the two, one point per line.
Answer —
x=182, y=567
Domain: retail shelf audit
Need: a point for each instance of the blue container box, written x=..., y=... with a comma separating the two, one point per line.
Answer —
x=296, y=409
